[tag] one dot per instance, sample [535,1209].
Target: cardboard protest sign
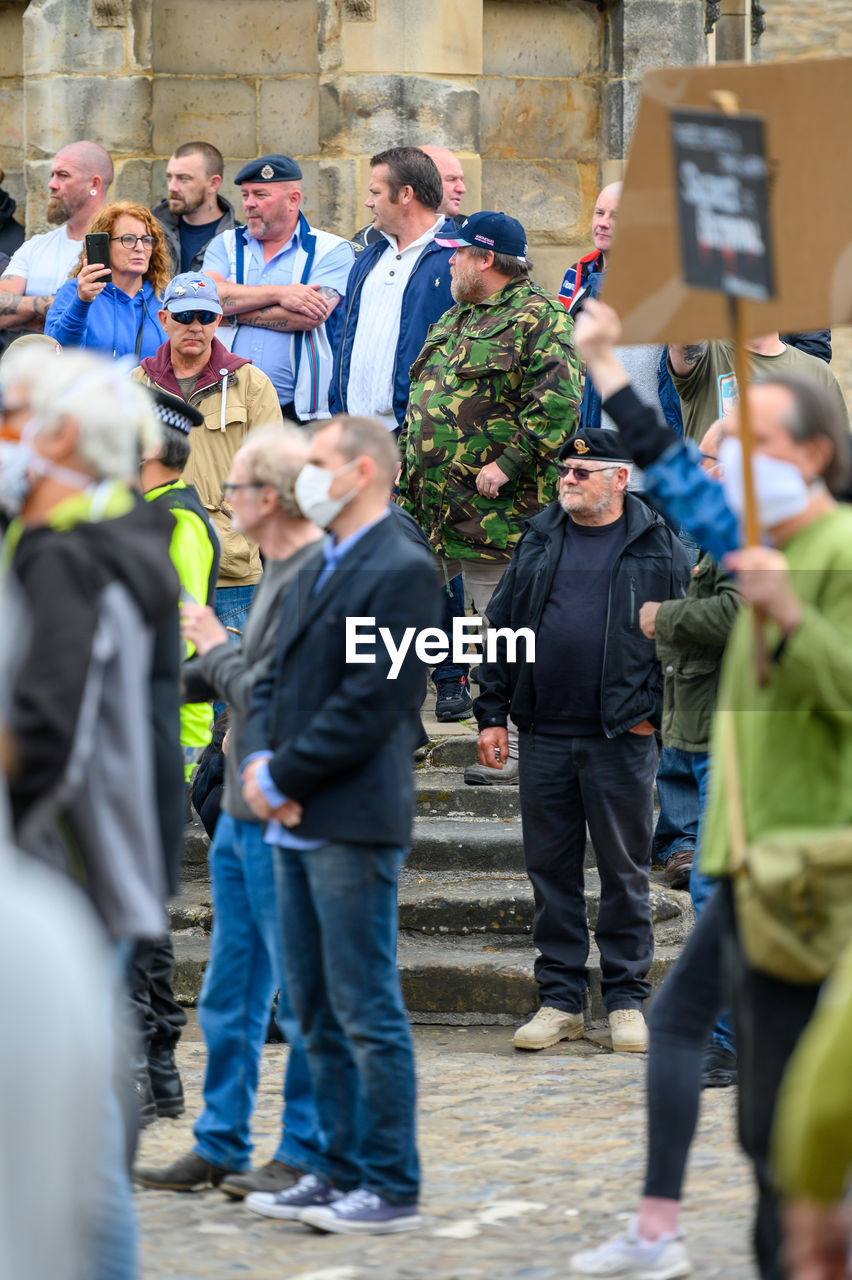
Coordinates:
[805,107]
[723,203]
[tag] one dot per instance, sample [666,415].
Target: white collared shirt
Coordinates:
[371,366]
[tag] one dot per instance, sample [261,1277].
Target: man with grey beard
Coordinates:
[80,176]
[585,705]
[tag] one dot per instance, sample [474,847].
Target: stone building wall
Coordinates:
[12,131]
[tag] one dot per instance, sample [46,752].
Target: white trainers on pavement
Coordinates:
[630,1258]
[629,1031]
[548,1027]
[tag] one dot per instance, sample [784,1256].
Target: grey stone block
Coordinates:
[114,110]
[364,114]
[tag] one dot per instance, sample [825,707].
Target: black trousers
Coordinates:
[769,1018]
[160,1018]
[681,1022]
[608,783]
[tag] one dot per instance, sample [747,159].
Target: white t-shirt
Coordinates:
[45,261]
[371,365]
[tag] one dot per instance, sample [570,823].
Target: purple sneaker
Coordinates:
[308,1192]
[362,1213]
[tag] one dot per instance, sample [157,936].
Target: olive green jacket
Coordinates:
[496,381]
[691,635]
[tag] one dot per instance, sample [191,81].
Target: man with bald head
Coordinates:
[80,177]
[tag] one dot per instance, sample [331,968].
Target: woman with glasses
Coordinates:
[114,309]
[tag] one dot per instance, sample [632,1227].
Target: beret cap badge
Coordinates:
[580,446]
[267,172]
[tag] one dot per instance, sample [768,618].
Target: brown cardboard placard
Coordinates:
[806,106]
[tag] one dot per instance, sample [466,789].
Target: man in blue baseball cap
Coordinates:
[281,280]
[495,392]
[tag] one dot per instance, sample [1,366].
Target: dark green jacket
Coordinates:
[496,381]
[691,635]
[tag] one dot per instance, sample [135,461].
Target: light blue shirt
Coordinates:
[268,349]
[276,832]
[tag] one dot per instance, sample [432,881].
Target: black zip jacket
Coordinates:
[652,565]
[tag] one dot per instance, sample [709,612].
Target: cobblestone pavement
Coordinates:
[526,1157]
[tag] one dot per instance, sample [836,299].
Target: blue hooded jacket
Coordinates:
[425,299]
[110,324]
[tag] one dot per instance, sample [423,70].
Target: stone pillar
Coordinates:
[732,32]
[394,73]
[642,34]
[87,68]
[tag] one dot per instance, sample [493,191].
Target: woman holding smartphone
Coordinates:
[116,313]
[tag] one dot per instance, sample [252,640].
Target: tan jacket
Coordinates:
[250,401]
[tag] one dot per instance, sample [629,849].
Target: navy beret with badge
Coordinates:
[269,169]
[595,444]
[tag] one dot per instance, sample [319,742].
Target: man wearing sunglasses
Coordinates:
[585,710]
[232,396]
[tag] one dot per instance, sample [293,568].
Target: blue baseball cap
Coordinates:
[487,230]
[273,168]
[192,291]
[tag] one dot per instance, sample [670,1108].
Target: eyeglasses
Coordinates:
[582,473]
[229,487]
[130,242]
[189,317]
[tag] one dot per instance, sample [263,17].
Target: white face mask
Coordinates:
[780,489]
[312,486]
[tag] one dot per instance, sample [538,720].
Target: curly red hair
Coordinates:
[159,271]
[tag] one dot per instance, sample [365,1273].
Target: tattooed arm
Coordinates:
[685,358]
[19,310]
[285,321]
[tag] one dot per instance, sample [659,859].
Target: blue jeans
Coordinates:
[677,789]
[232,607]
[702,887]
[452,599]
[246,965]
[339,911]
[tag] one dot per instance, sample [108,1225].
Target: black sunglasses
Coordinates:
[583,473]
[189,317]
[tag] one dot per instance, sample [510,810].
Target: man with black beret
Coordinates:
[586,707]
[281,280]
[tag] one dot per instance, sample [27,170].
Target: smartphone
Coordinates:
[97,251]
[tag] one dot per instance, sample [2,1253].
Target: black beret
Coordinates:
[174,412]
[269,169]
[595,444]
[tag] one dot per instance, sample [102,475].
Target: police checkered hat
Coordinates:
[174,412]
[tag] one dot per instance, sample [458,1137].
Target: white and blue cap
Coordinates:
[192,291]
[488,230]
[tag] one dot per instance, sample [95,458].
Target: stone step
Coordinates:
[464,903]
[466,981]
[443,792]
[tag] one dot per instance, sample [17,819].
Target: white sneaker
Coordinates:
[308,1192]
[548,1027]
[633,1259]
[629,1031]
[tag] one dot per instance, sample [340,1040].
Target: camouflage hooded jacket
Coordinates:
[496,381]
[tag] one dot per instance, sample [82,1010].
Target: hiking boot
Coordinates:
[678,867]
[453,701]
[719,1068]
[630,1258]
[146,1105]
[274,1176]
[629,1032]
[309,1192]
[548,1027]
[189,1173]
[482,775]
[165,1082]
[363,1213]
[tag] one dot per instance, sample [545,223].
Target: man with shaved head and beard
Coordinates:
[80,177]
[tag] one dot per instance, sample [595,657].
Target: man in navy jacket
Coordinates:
[327,763]
[397,288]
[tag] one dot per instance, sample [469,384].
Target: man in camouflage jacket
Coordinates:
[494,393]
